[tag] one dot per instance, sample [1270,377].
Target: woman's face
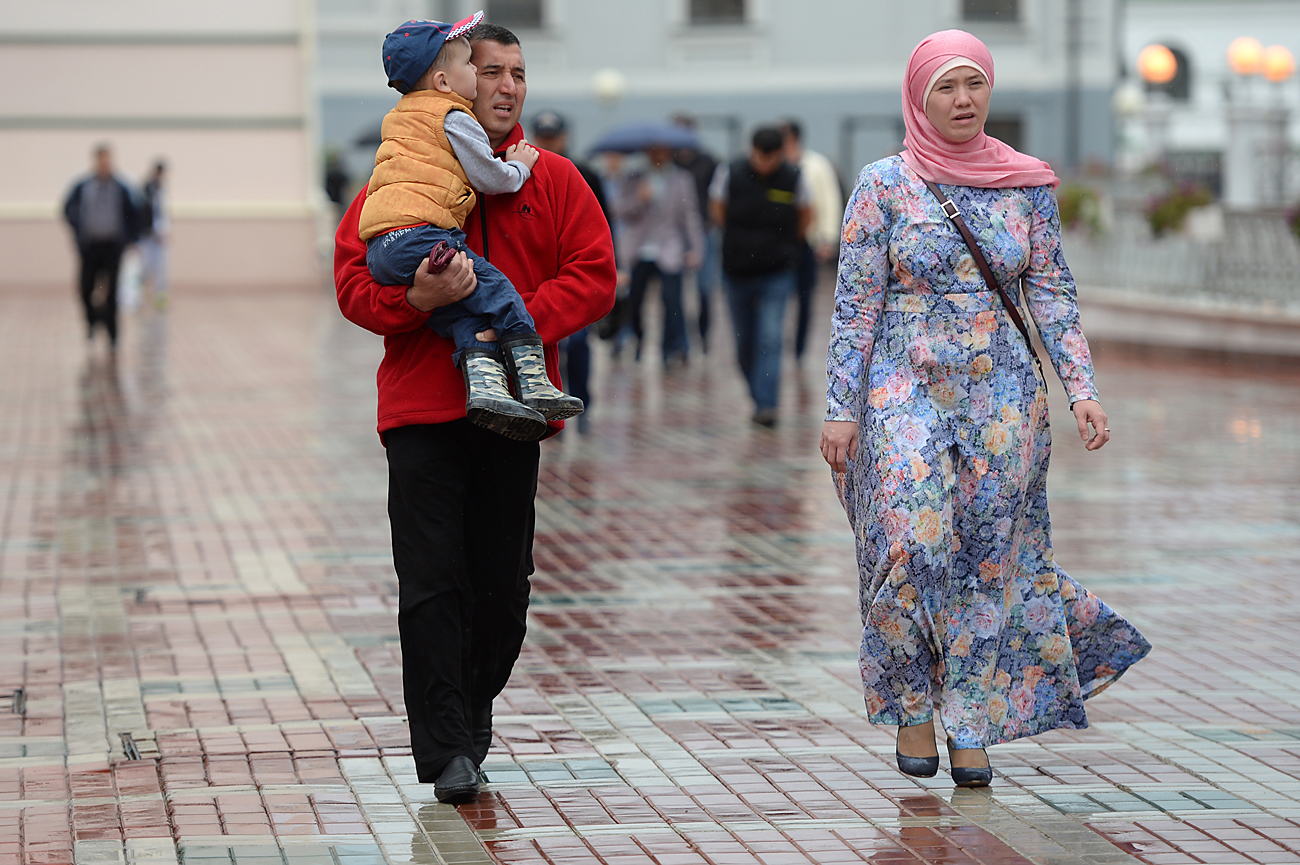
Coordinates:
[958,103]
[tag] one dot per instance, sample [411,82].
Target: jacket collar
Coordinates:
[418,100]
[516,135]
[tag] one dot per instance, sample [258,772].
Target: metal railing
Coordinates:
[1255,260]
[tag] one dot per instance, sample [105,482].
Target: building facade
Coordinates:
[835,65]
[223,92]
[1193,123]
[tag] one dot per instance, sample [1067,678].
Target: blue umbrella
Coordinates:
[632,137]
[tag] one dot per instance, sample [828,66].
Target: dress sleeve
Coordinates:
[859,293]
[1053,303]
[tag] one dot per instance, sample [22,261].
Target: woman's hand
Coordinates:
[1089,411]
[839,443]
[433,290]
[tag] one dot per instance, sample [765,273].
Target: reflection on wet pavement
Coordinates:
[194,562]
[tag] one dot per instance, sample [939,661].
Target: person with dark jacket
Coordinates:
[460,497]
[104,217]
[551,132]
[763,208]
[702,167]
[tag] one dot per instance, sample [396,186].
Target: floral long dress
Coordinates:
[963,606]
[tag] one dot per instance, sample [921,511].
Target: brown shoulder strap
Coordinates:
[950,210]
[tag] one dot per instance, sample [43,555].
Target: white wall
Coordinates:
[224,92]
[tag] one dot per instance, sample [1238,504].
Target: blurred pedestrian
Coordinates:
[660,236]
[336,182]
[462,498]
[104,217]
[763,206]
[821,243]
[937,432]
[701,167]
[156,226]
[551,133]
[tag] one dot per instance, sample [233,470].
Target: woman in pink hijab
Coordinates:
[937,434]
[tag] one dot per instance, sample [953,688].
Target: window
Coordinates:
[515,14]
[717,11]
[1180,86]
[1007,11]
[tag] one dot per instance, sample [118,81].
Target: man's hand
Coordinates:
[1088,411]
[694,260]
[433,290]
[522,152]
[839,443]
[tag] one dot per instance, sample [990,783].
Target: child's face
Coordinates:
[462,77]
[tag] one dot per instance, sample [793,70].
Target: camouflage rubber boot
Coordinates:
[528,371]
[489,403]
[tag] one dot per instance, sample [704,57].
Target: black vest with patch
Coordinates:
[761,235]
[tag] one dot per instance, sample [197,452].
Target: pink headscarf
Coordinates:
[982,161]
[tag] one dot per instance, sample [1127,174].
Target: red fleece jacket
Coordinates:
[551,241]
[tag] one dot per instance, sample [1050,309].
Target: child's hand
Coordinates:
[522,152]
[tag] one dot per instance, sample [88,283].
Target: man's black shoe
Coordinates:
[481,731]
[458,783]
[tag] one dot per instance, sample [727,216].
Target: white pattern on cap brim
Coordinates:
[467,25]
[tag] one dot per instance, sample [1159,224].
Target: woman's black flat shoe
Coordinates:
[969,776]
[965,776]
[917,767]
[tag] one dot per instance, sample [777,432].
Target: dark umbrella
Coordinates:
[632,137]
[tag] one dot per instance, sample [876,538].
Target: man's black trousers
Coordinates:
[461,505]
[101,259]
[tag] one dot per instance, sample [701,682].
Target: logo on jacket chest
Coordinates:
[524,211]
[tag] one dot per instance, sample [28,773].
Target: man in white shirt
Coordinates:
[822,242]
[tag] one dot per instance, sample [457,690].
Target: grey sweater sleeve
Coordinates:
[486,173]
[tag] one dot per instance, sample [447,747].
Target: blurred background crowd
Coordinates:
[1172,120]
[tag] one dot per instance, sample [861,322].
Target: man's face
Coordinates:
[765,163]
[103,163]
[793,149]
[501,87]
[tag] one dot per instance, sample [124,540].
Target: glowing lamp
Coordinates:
[1246,55]
[609,85]
[1157,64]
[1278,63]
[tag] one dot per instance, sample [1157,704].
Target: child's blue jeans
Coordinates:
[394,257]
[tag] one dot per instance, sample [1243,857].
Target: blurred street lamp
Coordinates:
[1254,164]
[1157,65]
[609,85]
[1278,64]
[1246,55]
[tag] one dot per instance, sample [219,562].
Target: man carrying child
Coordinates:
[461,497]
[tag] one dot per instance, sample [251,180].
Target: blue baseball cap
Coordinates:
[410,49]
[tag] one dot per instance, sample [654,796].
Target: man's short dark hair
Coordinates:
[493,33]
[793,129]
[768,139]
[102,148]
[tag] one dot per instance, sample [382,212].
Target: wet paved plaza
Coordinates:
[198,643]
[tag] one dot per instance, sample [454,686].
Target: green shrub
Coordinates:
[1168,212]
[1080,207]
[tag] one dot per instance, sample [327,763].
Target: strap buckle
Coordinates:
[947,204]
